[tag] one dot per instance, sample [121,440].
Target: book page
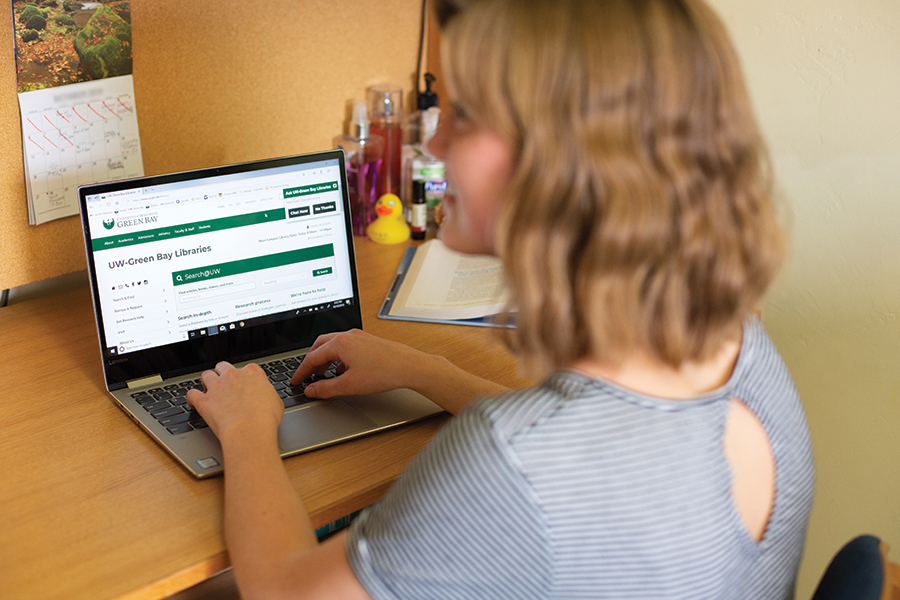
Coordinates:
[443,284]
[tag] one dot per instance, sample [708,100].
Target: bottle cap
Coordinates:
[359,127]
[418,191]
[385,102]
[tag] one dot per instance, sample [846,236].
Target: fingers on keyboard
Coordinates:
[169,407]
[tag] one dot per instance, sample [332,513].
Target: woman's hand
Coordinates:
[368,365]
[237,400]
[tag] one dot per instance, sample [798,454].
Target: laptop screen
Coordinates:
[221,264]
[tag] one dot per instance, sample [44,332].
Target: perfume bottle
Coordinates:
[364,153]
[386,112]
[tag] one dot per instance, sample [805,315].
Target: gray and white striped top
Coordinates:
[578,488]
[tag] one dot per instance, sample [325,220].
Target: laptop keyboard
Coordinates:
[168,404]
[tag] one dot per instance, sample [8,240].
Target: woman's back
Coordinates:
[579,488]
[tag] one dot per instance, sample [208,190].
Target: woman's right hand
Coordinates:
[368,365]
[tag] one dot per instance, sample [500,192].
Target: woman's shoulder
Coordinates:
[518,412]
[761,378]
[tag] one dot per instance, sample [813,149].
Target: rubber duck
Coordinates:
[389,227]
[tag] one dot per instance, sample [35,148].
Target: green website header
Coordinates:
[177,231]
[308,190]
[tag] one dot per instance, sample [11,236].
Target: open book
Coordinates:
[435,284]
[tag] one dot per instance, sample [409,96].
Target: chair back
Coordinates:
[860,571]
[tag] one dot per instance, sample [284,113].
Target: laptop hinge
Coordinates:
[136,383]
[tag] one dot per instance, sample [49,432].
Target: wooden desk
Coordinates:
[91,507]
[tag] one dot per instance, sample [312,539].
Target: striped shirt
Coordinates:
[578,488]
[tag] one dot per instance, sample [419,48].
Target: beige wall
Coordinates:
[825,78]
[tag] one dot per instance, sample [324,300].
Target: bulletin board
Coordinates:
[217,83]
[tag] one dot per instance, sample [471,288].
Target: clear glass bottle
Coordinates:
[364,153]
[386,113]
[428,169]
[412,141]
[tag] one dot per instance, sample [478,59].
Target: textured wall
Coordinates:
[825,78]
[216,83]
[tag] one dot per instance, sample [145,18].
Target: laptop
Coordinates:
[243,263]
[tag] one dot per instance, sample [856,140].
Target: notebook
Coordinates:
[243,263]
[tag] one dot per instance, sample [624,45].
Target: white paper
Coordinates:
[453,285]
[74,135]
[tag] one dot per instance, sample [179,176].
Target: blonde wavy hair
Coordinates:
[639,215]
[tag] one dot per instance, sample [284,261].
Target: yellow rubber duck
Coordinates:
[389,227]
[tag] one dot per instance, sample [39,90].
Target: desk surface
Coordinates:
[91,507]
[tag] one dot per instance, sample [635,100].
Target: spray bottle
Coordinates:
[364,153]
[386,110]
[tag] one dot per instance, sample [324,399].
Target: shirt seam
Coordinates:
[509,453]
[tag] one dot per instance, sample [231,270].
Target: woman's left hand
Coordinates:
[237,400]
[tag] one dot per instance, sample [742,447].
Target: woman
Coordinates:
[605,150]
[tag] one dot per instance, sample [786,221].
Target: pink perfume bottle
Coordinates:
[386,111]
[364,153]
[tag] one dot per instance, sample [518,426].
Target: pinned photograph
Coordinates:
[60,42]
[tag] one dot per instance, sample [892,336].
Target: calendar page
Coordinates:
[76,97]
[77,134]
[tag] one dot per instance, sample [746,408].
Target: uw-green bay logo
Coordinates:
[109,223]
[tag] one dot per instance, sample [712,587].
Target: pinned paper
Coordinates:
[76,99]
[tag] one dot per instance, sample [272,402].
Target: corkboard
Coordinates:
[217,83]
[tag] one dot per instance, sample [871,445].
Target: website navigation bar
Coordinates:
[177,231]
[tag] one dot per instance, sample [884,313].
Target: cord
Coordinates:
[421,49]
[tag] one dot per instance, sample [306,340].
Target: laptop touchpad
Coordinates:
[320,423]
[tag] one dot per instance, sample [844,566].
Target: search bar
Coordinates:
[285,279]
[248,265]
[195,295]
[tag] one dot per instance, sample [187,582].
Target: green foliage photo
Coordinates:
[104,45]
[60,42]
